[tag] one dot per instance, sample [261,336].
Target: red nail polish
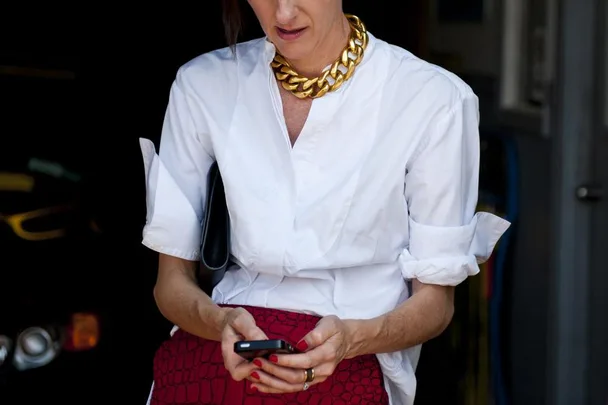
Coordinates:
[253,389]
[302,346]
[255,375]
[257,362]
[273,358]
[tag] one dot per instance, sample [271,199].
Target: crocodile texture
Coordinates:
[190,370]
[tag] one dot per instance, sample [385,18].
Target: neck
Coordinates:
[326,52]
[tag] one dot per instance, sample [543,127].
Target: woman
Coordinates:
[351,173]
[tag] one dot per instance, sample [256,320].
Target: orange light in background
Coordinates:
[16,182]
[82,333]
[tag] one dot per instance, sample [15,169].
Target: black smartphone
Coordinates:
[250,349]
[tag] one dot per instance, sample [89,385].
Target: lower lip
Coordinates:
[290,36]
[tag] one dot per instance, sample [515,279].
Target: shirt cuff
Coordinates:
[448,255]
[172,226]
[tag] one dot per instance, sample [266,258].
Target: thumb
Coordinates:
[324,329]
[255,333]
[245,325]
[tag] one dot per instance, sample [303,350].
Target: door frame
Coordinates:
[598,301]
[576,122]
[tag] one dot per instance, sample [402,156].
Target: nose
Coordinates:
[286,11]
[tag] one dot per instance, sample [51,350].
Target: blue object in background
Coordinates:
[511,211]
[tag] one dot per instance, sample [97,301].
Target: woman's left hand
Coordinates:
[322,349]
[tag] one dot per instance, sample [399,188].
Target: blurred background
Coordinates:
[78,323]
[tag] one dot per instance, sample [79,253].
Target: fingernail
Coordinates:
[257,362]
[253,389]
[273,358]
[255,375]
[302,346]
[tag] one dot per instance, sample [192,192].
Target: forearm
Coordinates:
[422,317]
[182,302]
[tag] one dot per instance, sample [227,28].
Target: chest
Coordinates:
[295,112]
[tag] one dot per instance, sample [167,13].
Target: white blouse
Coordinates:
[380,187]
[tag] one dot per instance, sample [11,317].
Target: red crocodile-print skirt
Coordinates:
[190,370]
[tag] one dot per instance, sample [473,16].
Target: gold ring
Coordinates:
[310,374]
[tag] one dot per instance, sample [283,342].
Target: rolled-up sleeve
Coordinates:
[176,178]
[447,238]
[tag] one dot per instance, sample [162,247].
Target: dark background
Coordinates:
[124,60]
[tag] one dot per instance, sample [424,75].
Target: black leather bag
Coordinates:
[215,243]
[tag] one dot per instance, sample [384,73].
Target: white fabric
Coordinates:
[381,186]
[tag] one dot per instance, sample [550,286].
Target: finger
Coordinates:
[238,367]
[324,329]
[321,371]
[256,382]
[270,384]
[243,370]
[290,375]
[311,358]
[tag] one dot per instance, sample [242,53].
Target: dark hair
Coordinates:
[232,21]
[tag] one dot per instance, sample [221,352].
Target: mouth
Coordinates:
[290,35]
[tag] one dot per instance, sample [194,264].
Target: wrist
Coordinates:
[360,335]
[215,318]
[221,317]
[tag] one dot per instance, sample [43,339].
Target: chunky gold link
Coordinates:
[316,87]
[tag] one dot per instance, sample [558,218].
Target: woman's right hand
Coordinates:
[238,324]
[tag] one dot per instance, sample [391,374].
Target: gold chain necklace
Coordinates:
[352,55]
